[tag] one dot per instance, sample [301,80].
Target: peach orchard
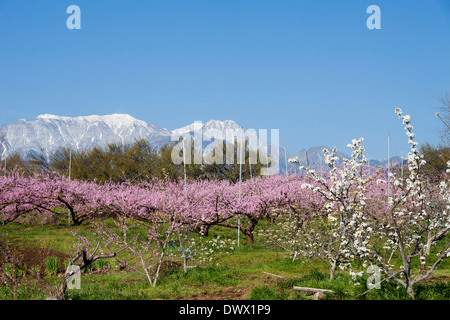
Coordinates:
[347,213]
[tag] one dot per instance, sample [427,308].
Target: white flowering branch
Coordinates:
[332,231]
[412,223]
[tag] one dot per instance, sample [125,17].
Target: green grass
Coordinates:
[344,289]
[52,265]
[268,293]
[244,274]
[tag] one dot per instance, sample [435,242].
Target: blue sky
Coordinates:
[311,69]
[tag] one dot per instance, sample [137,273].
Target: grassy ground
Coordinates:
[251,272]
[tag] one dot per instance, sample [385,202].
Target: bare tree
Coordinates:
[81,259]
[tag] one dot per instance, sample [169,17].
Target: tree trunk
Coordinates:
[249,237]
[59,292]
[410,291]
[73,215]
[429,240]
[332,271]
[248,231]
[204,229]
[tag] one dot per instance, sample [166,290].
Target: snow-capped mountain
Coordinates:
[209,129]
[215,131]
[49,132]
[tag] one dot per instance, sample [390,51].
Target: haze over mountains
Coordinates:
[47,133]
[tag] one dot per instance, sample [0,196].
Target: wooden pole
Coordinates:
[389,164]
[184,165]
[240,182]
[185,181]
[286,161]
[307,161]
[3,221]
[70,172]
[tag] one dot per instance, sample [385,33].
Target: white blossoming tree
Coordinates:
[398,223]
[415,219]
[327,229]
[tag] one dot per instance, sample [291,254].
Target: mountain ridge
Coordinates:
[48,133]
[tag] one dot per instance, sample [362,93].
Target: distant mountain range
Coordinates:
[47,133]
[314,157]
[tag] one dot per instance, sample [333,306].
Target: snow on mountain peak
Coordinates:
[225,124]
[210,125]
[50,132]
[116,120]
[47,116]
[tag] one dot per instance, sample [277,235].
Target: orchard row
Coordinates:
[347,213]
